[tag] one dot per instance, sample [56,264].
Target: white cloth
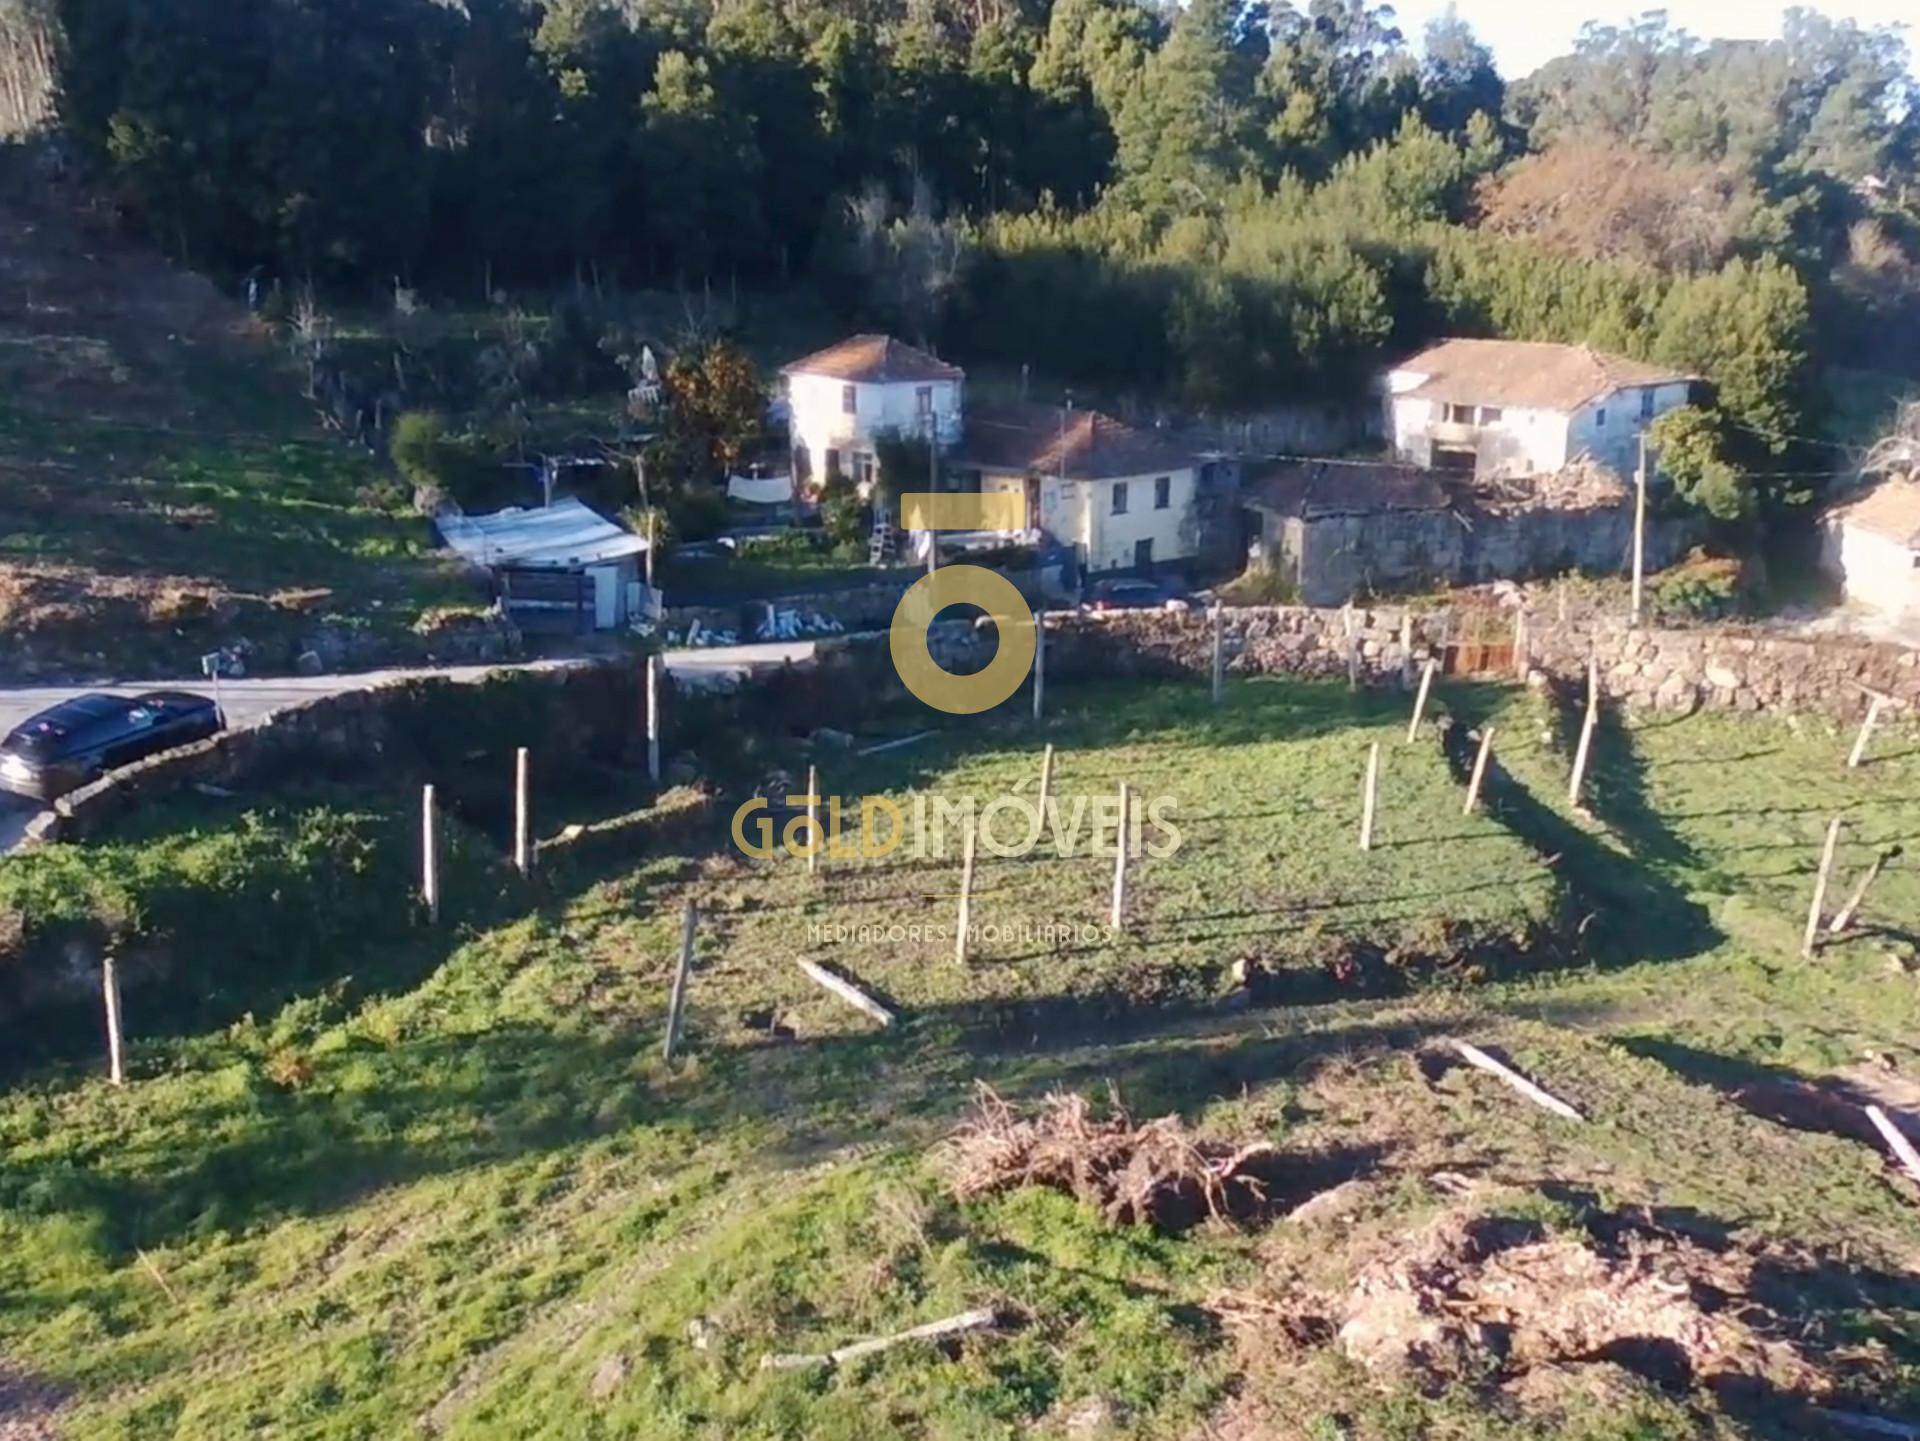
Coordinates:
[760,490]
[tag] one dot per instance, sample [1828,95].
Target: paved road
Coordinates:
[249,701]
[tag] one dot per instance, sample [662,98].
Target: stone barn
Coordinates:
[1343,529]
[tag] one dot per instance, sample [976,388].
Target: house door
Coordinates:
[1143,554]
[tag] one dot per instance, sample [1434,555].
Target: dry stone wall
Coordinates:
[1680,670]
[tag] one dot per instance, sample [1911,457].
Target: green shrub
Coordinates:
[1702,587]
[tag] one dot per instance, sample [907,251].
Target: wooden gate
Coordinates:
[1481,642]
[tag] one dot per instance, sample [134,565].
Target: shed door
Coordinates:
[606,596]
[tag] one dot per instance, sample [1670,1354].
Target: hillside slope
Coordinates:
[163,487]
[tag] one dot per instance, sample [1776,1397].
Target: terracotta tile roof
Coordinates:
[1527,374]
[1890,509]
[1311,488]
[1073,444]
[874,359]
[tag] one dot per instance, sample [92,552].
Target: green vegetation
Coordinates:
[1227,201]
[452,1184]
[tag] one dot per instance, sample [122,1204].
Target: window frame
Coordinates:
[1117,505]
[849,400]
[1163,492]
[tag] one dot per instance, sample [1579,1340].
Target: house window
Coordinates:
[1646,403]
[847,405]
[1459,415]
[1119,497]
[1489,414]
[923,401]
[1600,418]
[1163,492]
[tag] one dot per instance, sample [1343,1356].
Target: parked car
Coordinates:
[72,743]
[1134,594]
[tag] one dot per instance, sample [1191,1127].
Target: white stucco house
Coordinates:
[1872,544]
[1521,408]
[841,399]
[1122,498]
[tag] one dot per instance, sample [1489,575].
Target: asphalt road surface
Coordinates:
[249,701]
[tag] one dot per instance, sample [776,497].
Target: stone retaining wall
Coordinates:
[1680,670]
[573,715]
[588,714]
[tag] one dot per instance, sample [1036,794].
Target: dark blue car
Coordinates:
[78,740]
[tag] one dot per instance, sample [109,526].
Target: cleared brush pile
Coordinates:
[1154,1172]
[1471,1296]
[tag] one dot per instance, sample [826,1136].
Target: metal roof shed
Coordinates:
[564,539]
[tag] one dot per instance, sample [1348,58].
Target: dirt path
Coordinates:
[29,1406]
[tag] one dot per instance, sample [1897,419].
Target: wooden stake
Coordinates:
[1406,648]
[1420,701]
[522,822]
[1478,1058]
[1639,529]
[1479,770]
[813,820]
[1046,782]
[1846,913]
[1368,795]
[1039,666]
[966,896]
[429,854]
[1118,919]
[1866,733]
[1820,888]
[847,992]
[1219,654]
[677,1004]
[1586,733]
[1353,647]
[653,719]
[932,1331]
[1896,1141]
[116,1042]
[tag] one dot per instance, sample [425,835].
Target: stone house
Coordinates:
[1518,408]
[1119,497]
[842,399]
[1871,543]
[1341,529]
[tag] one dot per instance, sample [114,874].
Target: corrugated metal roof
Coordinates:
[1526,374]
[566,534]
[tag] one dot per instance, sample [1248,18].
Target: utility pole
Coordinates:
[1639,528]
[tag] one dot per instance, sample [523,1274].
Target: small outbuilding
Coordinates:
[1872,545]
[561,568]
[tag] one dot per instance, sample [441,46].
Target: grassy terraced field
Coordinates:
[374,1178]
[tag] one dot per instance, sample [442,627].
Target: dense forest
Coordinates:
[1228,200]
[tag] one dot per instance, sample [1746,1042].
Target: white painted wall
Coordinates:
[1616,441]
[1080,513]
[1874,570]
[1534,442]
[819,421]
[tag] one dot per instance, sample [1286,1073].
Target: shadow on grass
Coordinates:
[1619,907]
[257,1150]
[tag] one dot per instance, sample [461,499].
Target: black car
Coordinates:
[1134,594]
[76,741]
